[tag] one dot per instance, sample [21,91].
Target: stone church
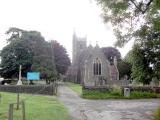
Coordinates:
[90,66]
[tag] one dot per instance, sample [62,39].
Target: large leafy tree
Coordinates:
[61,58]
[13,55]
[141,69]
[137,20]
[129,16]
[29,49]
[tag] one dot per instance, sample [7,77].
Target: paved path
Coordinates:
[82,109]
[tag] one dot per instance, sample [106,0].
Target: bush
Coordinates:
[136,95]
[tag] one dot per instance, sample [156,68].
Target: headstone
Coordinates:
[126,92]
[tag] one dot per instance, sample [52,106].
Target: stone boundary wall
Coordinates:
[132,88]
[143,89]
[31,89]
[97,88]
[119,82]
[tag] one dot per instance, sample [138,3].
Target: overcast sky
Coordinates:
[56,20]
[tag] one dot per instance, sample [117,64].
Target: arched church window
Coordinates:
[97,67]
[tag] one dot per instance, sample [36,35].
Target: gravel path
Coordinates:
[82,109]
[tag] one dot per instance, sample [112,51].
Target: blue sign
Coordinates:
[33,75]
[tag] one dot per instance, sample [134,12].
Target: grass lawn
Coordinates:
[157,115]
[76,88]
[37,107]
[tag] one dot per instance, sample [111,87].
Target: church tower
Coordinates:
[79,44]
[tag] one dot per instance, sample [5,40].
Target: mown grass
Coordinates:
[157,115]
[37,107]
[76,88]
[100,95]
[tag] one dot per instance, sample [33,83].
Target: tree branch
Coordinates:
[139,8]
[136,5]
[147,6]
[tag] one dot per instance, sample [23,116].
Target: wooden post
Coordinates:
[10,114]
[18,101]
[23,111]
[0,97]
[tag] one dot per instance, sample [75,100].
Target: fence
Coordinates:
[11,110]
[31,89]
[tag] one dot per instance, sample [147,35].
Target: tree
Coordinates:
[29,49]
[129,16]
[12,56]
[124,69]
[140,66]
[110,53]
[61,58]
[137,20]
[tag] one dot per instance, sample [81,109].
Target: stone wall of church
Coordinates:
[96,80]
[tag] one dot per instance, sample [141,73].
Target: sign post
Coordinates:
[33,76]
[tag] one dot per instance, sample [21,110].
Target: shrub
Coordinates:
[137,95]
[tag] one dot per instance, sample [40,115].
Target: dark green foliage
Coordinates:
[14,54]
[29,49]
[140,66]
[61,58]
[124,69]
[145,62]
[110,53]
